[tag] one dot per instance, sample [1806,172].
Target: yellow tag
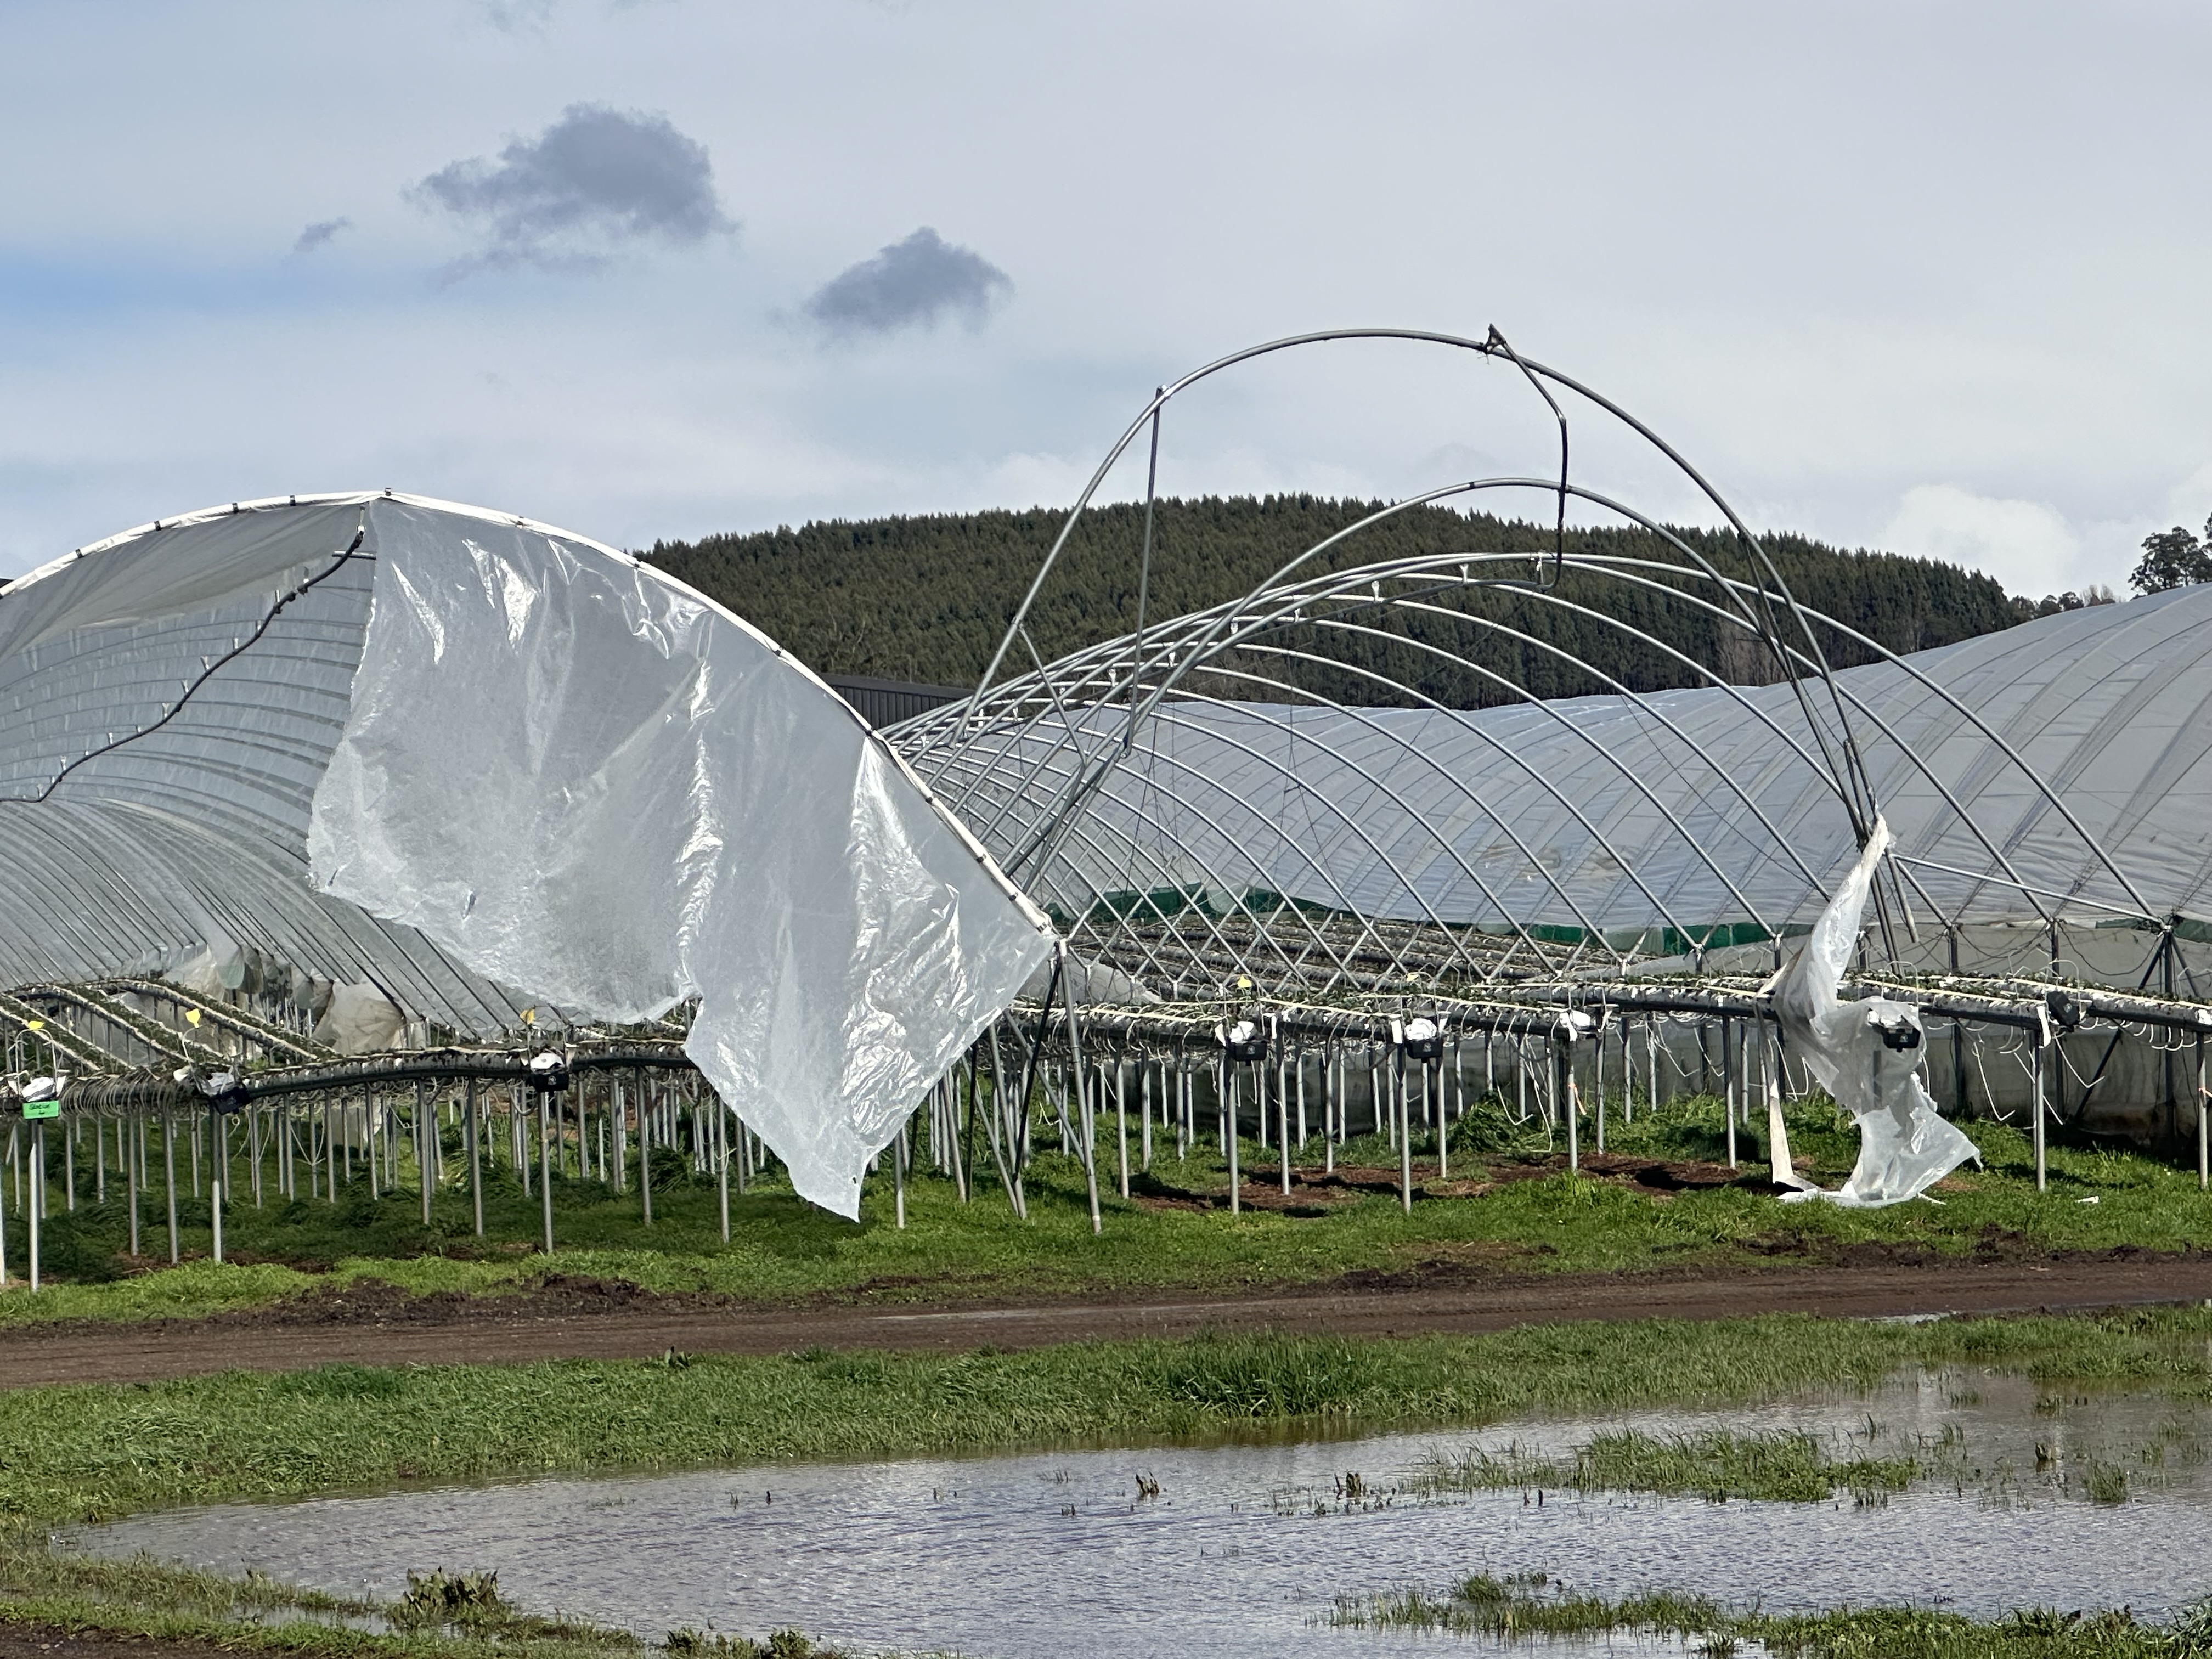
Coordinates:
[34,1025]
[191,1016]
[530,1017]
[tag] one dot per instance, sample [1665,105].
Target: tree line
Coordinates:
[927,597]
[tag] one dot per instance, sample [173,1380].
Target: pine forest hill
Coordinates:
[927,599]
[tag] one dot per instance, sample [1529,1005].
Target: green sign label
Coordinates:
[42,1108]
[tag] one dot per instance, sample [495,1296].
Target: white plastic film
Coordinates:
[1905,1146]
[589,786]
[579,777]
[359,1020]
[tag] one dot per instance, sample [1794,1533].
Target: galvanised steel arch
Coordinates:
[1262,797]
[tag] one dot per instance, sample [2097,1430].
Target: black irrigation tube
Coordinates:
[156,1091]
[1532,1015]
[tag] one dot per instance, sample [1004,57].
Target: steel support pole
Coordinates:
[1571,1107]
[1444,1121]
[169,1174]
[1402,1118]
[1144,1112]
[645,1157]
[2040,1180]
[1122,1118]
[469,1106]
[545,1166]
[426,1136]
[1728,1084]
[1330,1113]
[37,1203]
[899,1174]
[1229,1104]
[218,1173]
[1090,1122]
[722,1164]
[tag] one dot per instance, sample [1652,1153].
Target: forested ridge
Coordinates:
[927,597]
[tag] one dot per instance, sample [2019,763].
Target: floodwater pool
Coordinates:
[1247,1546]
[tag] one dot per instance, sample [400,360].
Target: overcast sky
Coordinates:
[1928,276]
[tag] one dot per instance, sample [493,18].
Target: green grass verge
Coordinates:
[89,1451]
[784,1251]
[1531,1605]
[461,1617]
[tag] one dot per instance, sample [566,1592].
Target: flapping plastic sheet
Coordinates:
[449,755]
[1866,1055]
[580,777]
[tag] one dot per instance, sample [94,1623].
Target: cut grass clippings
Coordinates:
[784,1252]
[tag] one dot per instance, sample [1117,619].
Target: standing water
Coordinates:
[2026,1500]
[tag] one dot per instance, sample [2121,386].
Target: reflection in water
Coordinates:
[1245,1547]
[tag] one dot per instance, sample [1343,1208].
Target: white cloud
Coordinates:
[1854,341]
[2189,503]
[2028,546]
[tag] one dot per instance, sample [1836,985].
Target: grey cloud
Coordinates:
[910,284]
[319,233]
[511,14]
[596,177]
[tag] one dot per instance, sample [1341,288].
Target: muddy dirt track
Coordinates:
[566,1318]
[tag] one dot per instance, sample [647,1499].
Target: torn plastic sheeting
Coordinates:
[360,1020]
[1867,1054]
[1087,984]
[579,777]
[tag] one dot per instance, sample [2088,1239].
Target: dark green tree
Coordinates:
[2172,558]
[927,599]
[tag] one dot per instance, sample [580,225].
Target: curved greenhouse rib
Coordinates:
[1093,777]
[1187,803]
[1212,628]
[1375,782]
[1683,813]
[1858,794]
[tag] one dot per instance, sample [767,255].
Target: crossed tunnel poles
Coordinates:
[1151,1063]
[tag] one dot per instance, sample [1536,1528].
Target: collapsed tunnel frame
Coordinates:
[1039,763]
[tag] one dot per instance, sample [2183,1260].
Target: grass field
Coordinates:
[784,1251]
[79,1453]
[82,1452]
[90,1451]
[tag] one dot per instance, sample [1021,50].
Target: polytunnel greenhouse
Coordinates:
[327,819]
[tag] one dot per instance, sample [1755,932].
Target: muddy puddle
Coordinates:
[2020,1498]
